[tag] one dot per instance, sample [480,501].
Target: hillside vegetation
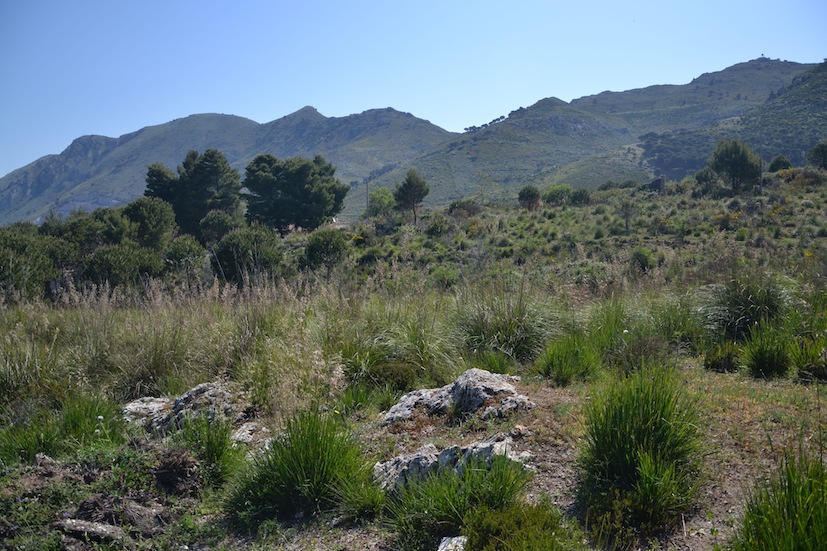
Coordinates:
[674,343]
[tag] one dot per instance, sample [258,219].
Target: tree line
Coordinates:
[196,222]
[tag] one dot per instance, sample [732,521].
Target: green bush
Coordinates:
[325,248]
[298,474]
[809,357]
[522,526]
[641,456]
[767,352]
[568,358]
[248,253]
[427,510]
[788,513]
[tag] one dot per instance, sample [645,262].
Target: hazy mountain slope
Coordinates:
[582,142]
[96,171]
[788,124]
[537,144]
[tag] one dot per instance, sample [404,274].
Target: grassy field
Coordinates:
[675,347]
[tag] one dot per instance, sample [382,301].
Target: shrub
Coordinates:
[766,354]
[809,356]
[522,526]
[788,513]
[247,252]
[299,473]
[641,457]
[426,510]
[569,358]
[326,248]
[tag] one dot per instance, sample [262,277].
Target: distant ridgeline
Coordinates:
[776,107]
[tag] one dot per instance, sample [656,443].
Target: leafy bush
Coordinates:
[809,356]
[788,513]
[299,473]
[766,354]
[326,248]
[248,252]
[427,510]
[569,358]
[642,450]
[522,526]
[122,265]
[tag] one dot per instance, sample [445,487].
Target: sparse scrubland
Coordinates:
[675,346]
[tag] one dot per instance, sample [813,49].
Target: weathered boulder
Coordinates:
[150,413]
[456,543]
[395,473]
[97,532]
[472,391]
[213,400]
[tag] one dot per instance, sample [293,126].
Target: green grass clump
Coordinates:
[82,421]
[767,352]
[209,439]
[502,321]
[790,512]
[738,305]
[723,358]
[435,507]
[641,457]
[522,526]
[299,473]
[569,358]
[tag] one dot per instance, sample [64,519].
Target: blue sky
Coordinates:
[110,67]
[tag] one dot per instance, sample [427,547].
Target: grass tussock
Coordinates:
[641,457]
[298,474]
[790,511]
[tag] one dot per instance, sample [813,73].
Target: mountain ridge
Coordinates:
[532,144]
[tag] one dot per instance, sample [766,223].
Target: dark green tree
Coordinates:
[297,192]
[779,163]
[735,162]
[529,197]
[29,260]
[248,253]
[154,221]
[817,156]
[411,192]
[325,248]
[380,203]
[203,183]
[216,224]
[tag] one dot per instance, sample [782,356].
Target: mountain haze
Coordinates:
[777,105]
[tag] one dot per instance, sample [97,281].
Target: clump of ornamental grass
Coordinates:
[504,321]
[82,421]
[569,358]
[209,439]
[426,510]
[766,354]
[790,511]
[534,527]
[641,457]
[300,473]
[736,307]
